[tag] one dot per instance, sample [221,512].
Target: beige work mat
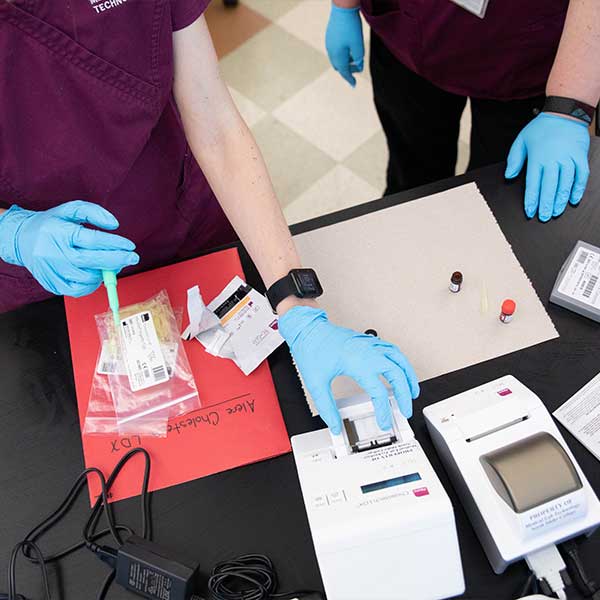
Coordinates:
[390,271]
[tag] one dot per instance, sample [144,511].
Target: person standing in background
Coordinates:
[530,70]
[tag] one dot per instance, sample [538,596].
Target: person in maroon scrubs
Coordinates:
[513,59]
[120,145]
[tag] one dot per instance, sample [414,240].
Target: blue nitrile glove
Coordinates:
[65,257]
[556,149]
[344,42]
[323,351]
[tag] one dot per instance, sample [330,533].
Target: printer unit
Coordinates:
[380,519]
[513,471]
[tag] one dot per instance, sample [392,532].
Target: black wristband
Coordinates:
[568,106]
[302,283]
[284,288]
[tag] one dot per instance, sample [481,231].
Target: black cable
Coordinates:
[64,508]
[32,552]
[90,526]
[78,546]
[106,585]
[527,588]
[12,579]
[586,586]
[248,577]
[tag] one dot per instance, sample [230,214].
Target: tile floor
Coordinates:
[321,139]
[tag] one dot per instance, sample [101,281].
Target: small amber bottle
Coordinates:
[456,282]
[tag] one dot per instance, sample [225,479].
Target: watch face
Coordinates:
[307,283]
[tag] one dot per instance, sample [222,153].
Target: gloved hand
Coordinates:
[344,42]
[323,351]
[556,149]
[65,257]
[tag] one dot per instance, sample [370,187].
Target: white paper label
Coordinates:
[538,520]
[111,364]
[248,319]
[144,360]
[581,416]
[581,279]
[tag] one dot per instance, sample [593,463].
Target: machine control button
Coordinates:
[321,456]
[320,501]
[337,497]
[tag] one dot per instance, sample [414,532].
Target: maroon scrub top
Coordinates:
[87,112]
[506,55]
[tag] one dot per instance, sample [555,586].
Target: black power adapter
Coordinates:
[147,570]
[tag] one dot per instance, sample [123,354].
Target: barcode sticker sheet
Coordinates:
[143,356]
[390,270]
[580,280]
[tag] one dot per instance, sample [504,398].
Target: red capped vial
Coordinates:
[508,310]
[456,282]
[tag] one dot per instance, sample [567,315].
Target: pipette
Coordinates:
[110,283]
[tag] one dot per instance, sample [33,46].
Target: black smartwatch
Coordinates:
[569,106]
[302,283]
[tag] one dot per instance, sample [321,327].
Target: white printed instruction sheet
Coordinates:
[238,324]
[581,416]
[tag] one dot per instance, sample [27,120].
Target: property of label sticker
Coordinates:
[581,279]
[145,362]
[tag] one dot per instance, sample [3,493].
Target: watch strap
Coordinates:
[280,290]
[569,106]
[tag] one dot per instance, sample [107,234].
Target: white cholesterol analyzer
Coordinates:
[512,469]
[380,519]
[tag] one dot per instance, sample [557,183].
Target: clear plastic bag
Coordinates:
[101,418]
[142,369]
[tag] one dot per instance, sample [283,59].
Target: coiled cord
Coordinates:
[249,577]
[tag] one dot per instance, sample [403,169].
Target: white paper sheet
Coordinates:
[390,271]
[581,416]
[244,330]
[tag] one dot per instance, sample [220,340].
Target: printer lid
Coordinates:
[531,471]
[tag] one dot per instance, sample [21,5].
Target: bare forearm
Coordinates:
[230,158]
[237,174]
[236,171]
[576,72]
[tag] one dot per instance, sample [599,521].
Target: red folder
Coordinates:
[240,421]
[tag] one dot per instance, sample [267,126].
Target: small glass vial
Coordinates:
[507,311]
[456,282]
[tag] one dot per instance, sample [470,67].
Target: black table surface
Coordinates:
[259,508]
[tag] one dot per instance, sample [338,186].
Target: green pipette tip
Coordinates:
[110,283]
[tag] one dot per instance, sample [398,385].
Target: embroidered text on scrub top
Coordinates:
[102,5]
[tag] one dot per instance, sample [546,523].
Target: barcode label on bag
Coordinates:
[581,278]
[143,356]
[110,362]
